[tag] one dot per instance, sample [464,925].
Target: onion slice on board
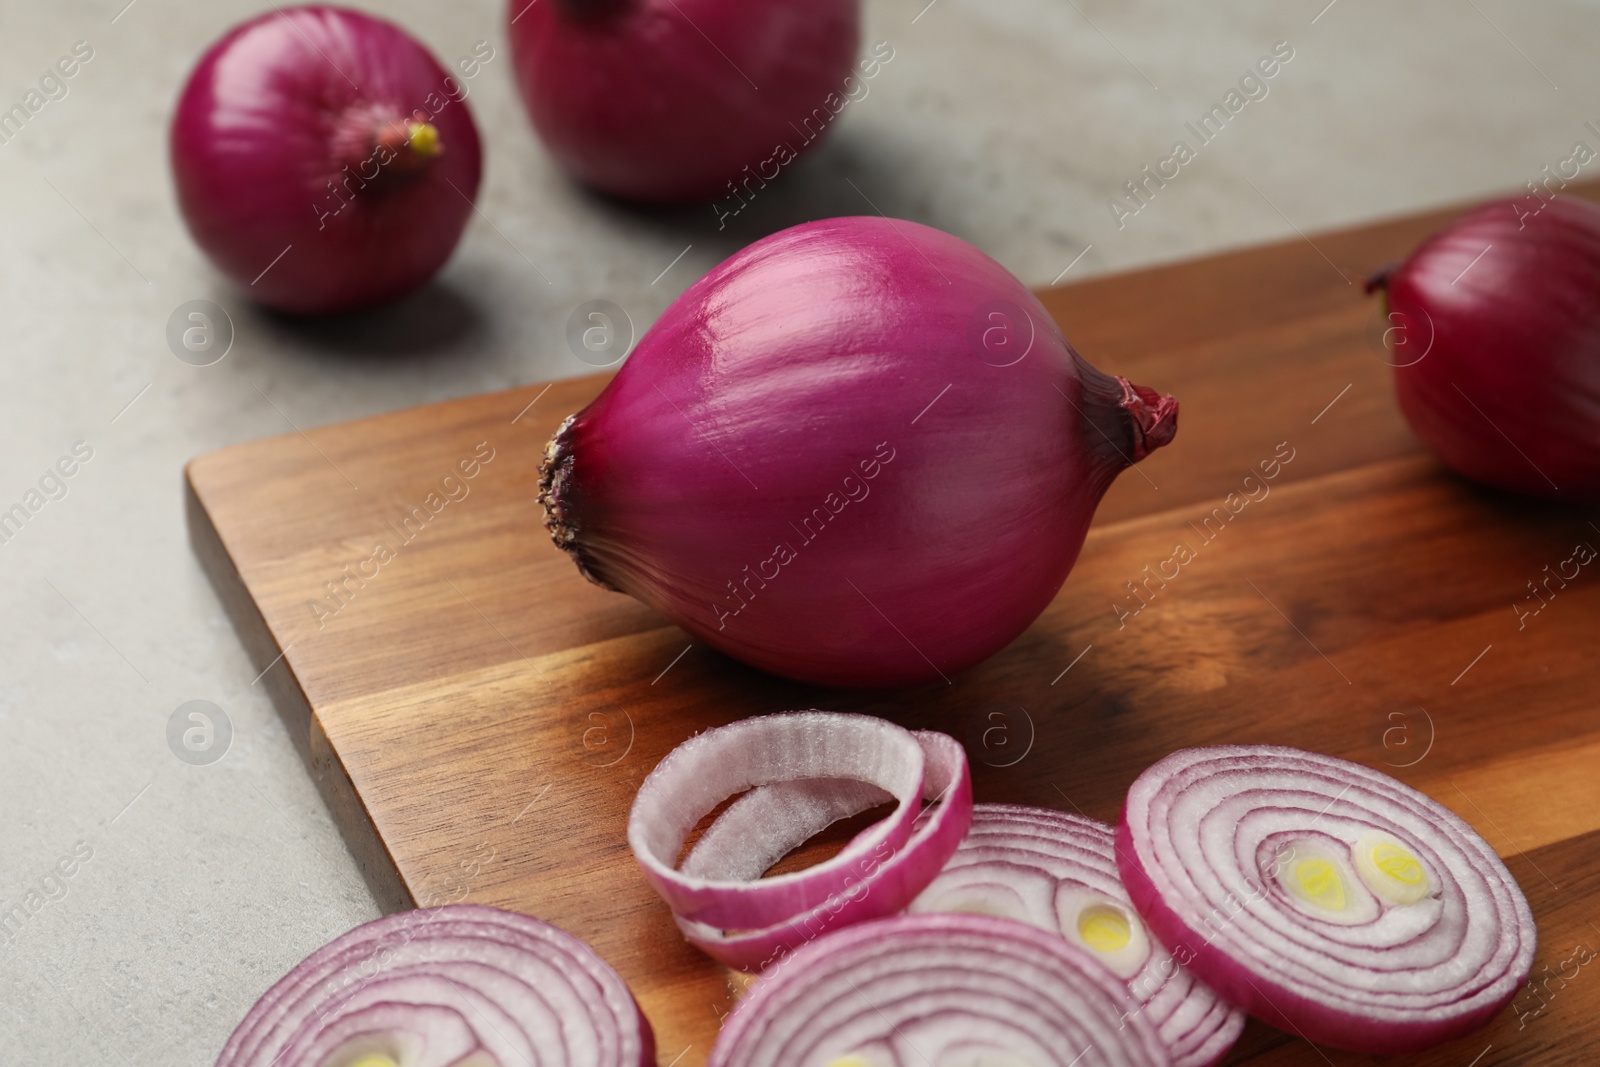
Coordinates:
[1059,872]
[800,772]
[775,819]
[457,986]
[1324,897]
[946,990]
[708,768]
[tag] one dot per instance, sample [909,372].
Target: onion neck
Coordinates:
[1123,422]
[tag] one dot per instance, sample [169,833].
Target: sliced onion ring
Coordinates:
[782,816]
[457,986]
[945,990]
[766,824]
[1243,860]
[1059,872]
[707,769]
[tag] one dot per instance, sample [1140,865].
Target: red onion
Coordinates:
[324,160]
[674,100]
[1324,897]
[857,453]
[946,990]
[1494,323]
[446,987]
[1059,872]
[719,887]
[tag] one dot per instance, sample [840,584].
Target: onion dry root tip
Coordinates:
[554,470]
[1379,279]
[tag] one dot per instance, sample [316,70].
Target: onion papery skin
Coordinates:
[912,990]
[1512,346]
[276,145]
[1398,983]
[677,100]
[460,984]
[809,464]
[1015,849]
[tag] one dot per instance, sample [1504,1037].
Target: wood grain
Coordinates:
[479,716]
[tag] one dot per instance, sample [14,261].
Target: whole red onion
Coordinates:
[677,100]
[1495,325]
[858,452]
[324,160]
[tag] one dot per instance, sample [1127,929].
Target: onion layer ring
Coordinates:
[1058,872]
[456,985]
[882,882]
[938,989]
[707,769]
[1323,896]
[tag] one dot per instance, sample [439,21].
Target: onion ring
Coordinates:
[446,987]
[803,771]
[706,769]
[888,880]
[1058,872]
[1323,896]
[946,990]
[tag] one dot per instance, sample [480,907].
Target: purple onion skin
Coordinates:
[772,388]
[632,96]
[264,130]
[1515,346]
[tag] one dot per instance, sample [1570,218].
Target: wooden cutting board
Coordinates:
[480,717]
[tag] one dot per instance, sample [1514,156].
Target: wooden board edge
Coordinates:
[377,865]
[585,385]
[1355,230]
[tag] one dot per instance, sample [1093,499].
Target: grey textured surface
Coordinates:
[1008,122]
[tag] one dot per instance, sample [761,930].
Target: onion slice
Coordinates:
[946,990]
[888,880]
[802,771]
[1324,897]
[458,986]
[1058,872]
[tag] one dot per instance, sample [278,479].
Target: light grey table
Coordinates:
[1009,122]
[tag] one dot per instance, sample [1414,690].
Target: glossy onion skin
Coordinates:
[669,100]
[832,360]
[266,123]
[1519,335]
